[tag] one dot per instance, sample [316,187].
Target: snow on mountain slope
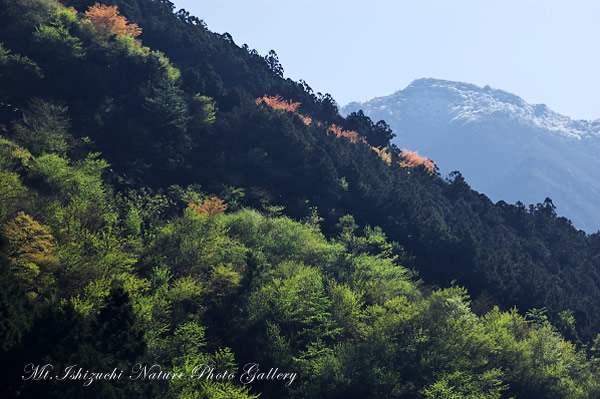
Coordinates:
[506,148]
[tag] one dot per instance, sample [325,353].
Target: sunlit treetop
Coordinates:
[413,159]
[211,207]
[108,21]
[349,134]
[279,104]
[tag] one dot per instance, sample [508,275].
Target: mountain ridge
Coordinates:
[191,207]
[540,114]
[491,136]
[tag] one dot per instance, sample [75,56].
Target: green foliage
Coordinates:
[130,47]
[173,73]
[297,301]
[58,36]
[281,239]
[460,385]
[203,109]
[44,128]
[13,157]
[198,245]
[15,308]
[377,135]
[15,63]
[31,248]
[537,317]
[380,279]
[143,213]
[165,100]
[346,309]
[127,273]
[78,188]
[11,190]
[17,74]
[14,160]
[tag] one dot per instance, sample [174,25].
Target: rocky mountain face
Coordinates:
[504,147]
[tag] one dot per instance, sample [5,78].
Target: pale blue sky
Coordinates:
[542,50]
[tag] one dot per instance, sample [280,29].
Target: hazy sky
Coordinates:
[545,51]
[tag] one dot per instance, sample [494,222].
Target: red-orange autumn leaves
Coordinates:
[410,159]
[106,20]
[278,103]
[413,159]
[211,207]
[349,134]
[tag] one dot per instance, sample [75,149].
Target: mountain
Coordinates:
[175,212]
[504,147]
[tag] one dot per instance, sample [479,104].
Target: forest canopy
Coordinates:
[168,197]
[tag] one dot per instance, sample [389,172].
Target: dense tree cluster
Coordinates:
[153,211]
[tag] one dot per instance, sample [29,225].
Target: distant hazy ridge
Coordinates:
[506,148]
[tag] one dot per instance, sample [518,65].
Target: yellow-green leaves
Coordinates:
[32,249]
[59,36]
[203,109]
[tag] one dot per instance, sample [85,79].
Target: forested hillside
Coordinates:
[168,198]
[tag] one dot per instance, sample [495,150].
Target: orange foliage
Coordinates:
[278,103]
[306,119]
[211,207]
[349,134]
[106,20]
[413,159]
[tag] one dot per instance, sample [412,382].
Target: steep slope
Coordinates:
[209,125]
[115,267]
[506,148]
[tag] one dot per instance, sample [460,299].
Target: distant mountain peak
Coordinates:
[440,83]
[467,103]
[506,147]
